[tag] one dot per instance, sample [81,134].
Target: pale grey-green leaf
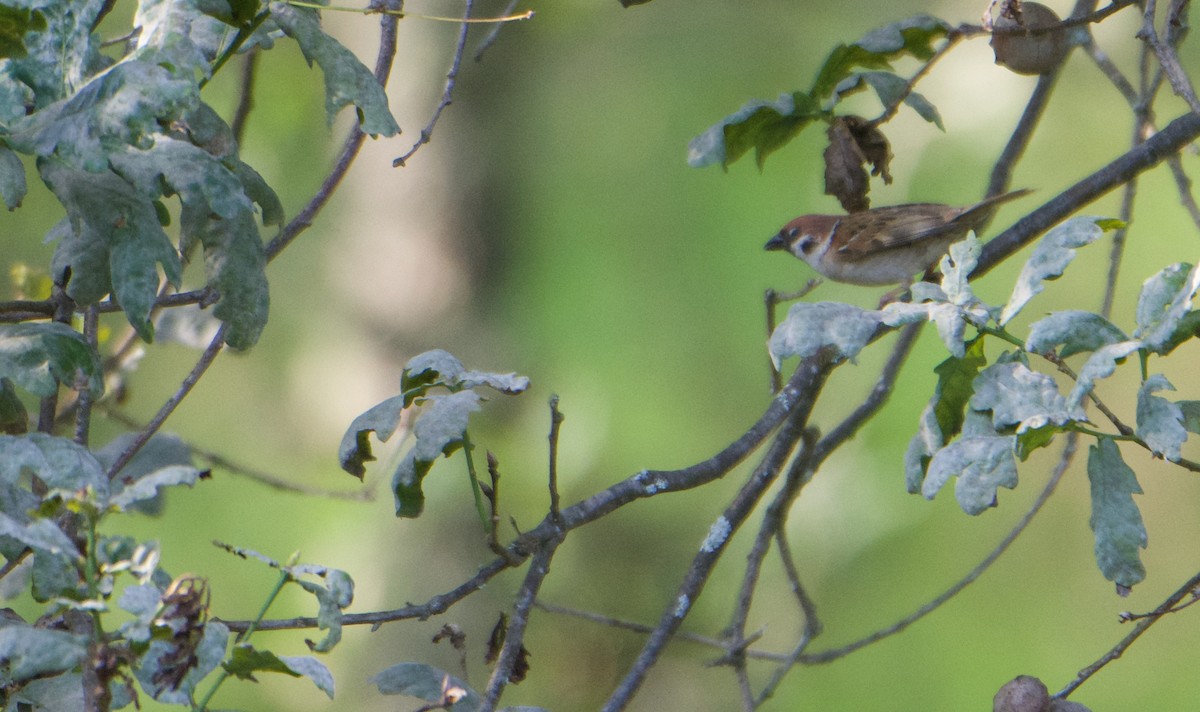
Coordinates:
[982,463]
[12,178]
[313,669]
[40,357]
[381,419]
[810,327]
[925,442]
[1051,256]
[39,535]
[424,682]
[347,81]
[29,652]
[1099,365]
[1073,331]
[1159,421]
[1115,520]
[1166,298]
[1018,396]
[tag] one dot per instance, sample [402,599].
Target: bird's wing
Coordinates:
[895,227]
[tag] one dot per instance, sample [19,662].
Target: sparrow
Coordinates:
[883,245]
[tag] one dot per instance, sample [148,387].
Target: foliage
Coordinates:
[149,176]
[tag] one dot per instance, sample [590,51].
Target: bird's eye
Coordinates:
[791,232]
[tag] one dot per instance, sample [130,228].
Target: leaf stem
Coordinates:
[284,578]
[468,446]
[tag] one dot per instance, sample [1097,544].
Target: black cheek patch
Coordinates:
[807,245]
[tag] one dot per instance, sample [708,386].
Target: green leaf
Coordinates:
[1035,438]
[981,462]
[1051,256]
[334,594]
[1099,365]
[14,419]
[438,431]
[1159,421]
[40,356]
[441,368]
[219,214]
[12,178]
[114,243]
[347,81]
[760,125]
[890,89]
[1190,409]
[1075,331]
[39,535]
[1018,396]
[425,682]
[60,463]
[955,386]
[1116,521]
[247,660]
[809,327]
[122,106]
[165,460]
[61,51]
[30,652]
[14,23]
[381,419]
[1164,308]
[924,444]
[913,36]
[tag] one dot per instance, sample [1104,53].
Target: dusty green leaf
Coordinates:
[30,652]
[1190,409]
[12,178]
[764,126]
[875,50]
[809,327]
[1022,398]
[1050,257]
[1159,421]
[347,81]
[355,449]
[1164,308]
[425,682]
[114,244]
[1072,332]
[1115,520]
[981,462]
[40,357]
[1101,364]
[438,431]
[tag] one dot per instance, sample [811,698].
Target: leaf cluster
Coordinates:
[983,418]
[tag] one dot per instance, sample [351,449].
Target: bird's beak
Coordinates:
[776,243]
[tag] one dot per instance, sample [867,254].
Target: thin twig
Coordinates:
[514,636]
[1167,57]
[83,416]
[189,382]
[1117,650]
[448,91]
[828,656]
[556,419]
[714,545]
[352,144]
[245,95]
[494,34]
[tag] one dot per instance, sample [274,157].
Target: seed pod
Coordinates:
[1026,53]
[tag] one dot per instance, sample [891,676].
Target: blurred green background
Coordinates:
[552,227]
